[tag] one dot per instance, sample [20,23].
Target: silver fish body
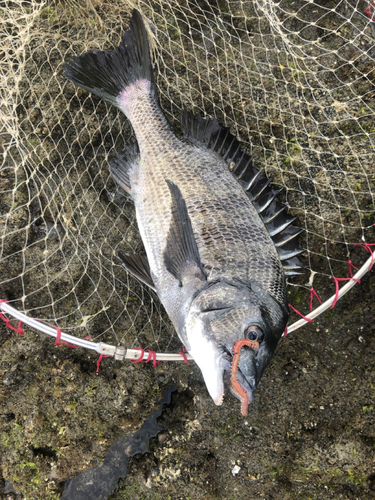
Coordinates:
[211,258]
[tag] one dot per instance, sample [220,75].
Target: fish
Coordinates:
[219,243]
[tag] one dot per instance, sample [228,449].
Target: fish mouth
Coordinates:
[218,365]
[217,370]
[240,388]
[238,384]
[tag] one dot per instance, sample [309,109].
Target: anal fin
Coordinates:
[138,266]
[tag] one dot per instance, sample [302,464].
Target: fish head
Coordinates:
[221,315]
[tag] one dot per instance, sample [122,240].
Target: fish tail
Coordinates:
[109,74]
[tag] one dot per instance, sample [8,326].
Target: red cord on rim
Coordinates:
[99,361]
[351,267]
[7,321]
[62,342]
[338,288]
[367,246]
[140,359]
[183,354]
[300,314]
[368,12]
[152,357]
[312,293]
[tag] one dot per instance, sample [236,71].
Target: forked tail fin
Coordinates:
[107,74]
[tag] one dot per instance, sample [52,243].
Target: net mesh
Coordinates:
[294,81]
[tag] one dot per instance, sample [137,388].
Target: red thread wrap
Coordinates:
[351,267]
[312,293]
[368,12]
[300,314]
[7,321]
[338,288]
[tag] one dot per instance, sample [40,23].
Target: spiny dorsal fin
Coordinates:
[205,132]
[292,266]
[181,255]
[138,266]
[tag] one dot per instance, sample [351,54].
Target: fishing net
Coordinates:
[294,81]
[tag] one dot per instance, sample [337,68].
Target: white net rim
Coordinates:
[138,354]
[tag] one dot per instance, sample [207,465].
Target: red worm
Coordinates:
[234,368]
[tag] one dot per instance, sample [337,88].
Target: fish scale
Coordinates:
[204,181]
[214,240]
[237,236]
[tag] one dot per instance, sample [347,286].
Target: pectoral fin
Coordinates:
[181,255]
[138,266]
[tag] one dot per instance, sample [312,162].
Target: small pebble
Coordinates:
[236,470]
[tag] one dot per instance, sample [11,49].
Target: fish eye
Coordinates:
[254,333]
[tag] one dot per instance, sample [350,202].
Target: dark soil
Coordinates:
[309,433]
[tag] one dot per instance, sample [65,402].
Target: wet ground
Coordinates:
[309,433]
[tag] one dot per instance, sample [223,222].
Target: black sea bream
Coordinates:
[217,240]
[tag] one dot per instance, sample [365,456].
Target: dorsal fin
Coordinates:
[207,133]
